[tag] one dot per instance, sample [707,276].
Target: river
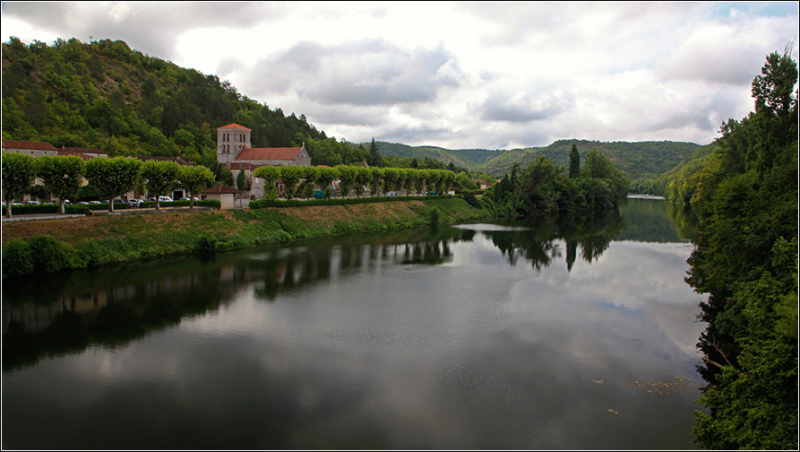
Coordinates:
[473,336]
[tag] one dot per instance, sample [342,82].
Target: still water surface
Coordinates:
[476,336]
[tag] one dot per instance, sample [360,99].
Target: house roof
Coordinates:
[221,189]
[84,150]
[233,126]
[261,154]
[67,152]
[179,160]
[19,144]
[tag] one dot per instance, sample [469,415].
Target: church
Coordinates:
[234,152]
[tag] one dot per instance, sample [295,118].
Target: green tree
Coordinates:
[112,177]
[347,178]
[62,176]
[374,154]
[270,174]
[325,177]
[290,175]
[574,162]
[195,179]
[19,171]
[160,177]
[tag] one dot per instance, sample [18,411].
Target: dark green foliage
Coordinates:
[744,195]
[105,95]
[40,254]
[206,244]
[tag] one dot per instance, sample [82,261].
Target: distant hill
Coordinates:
[635,160]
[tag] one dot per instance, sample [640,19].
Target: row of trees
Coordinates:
[744,196]
[355,179]
[544,188]
[63,177]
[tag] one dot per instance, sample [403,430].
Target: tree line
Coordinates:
[304,180]
[64,176]
[544,188]
[744,196]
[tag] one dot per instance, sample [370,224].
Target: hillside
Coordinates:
[105,95]
[635,160]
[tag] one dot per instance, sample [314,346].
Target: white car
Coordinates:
[164,199]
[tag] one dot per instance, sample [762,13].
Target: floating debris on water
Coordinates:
[613,411]
[664,387]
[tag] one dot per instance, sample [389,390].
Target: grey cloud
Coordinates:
[152,28]
[505,107]
[417,134]
[362,73]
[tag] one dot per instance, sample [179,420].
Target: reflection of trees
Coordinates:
[537,243]
[115,305]
[650,220]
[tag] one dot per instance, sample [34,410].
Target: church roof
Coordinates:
[261,154]
[233,126]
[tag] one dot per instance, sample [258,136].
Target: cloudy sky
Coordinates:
[457,75]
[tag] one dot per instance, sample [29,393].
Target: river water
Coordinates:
[476,336]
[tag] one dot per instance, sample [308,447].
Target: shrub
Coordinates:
[206,244]
[17,258]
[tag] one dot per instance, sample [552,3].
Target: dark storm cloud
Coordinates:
[152,28]
[362,73]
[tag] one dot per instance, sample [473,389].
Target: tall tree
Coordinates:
[62,176]
[290,175]
[270,174]
[374,155]
[112,177]
[19,171]
[160,178]
[195,179]
[574,163]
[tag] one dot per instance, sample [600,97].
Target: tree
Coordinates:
[347,178]
[574,163]
[363,178]
[160,177]
[112,177]
[270,174]
[62,176]
[325,177]
[290,175]
[19,171]
[374,155]
[195,179]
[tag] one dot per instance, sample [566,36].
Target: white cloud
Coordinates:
[458,75]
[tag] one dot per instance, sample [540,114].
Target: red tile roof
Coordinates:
[67,152]
[85,150]
[260,154]
[233,126]
[179,160]
[18,144]
[221,189]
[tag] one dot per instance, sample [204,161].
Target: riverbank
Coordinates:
[99,240]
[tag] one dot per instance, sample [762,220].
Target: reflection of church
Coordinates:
[234,152]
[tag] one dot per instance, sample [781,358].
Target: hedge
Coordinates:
[262,203]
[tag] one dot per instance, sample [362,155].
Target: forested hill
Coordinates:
[105,95]
[635,160]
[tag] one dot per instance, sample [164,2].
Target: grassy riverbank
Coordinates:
[54,245]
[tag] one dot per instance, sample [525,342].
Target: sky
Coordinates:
[460,75]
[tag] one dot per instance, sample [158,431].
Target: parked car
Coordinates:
[32,202]
[164,199]
[319,194]
[135,202]
[95,202]
[82,202]
[120,201]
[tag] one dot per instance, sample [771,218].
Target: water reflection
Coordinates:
[477,336]
[114,305]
